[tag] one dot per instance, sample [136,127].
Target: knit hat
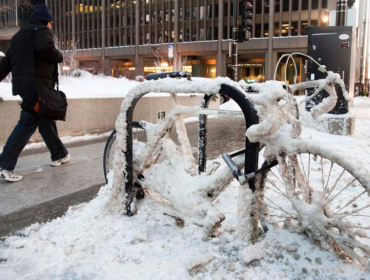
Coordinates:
[42,13]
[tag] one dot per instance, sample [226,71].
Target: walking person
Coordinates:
[18,60]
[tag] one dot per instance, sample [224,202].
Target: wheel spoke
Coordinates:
[330,200]
[354,226]
[335,184]
[277,176]
[278,190]
[309,169]
[322,175]
[349,202]
[327,181]
[279,208]
[304,171]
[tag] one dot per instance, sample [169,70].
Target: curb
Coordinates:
[45,211]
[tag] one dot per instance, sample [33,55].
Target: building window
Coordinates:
[225,33]
[186,39]
[195,11]
[209,33]
[167,16]
[193,34]
[284,29]
[187,14]
[160,16]
[180,35]
[226,9]
[147,18]
[304,28]
[209,11]
[201,34]
[294,29]
[201,12]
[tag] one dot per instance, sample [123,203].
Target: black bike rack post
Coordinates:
[251,118]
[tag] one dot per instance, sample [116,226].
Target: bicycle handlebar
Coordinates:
[163,75]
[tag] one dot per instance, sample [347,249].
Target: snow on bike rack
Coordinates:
[123,169]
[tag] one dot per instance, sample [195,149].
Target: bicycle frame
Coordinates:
[251,149]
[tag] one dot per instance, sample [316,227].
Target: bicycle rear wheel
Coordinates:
[110,148]
[324,195]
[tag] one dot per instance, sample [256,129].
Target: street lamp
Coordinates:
[164,64]
[325,18]
[65,69]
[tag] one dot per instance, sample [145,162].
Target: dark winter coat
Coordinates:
[18,58]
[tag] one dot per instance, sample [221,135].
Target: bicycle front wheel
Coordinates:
[325,195]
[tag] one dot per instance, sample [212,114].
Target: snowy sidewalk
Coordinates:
[46,192]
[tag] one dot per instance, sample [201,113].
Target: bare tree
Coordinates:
[157,58]
[23,4]
[178,61]
[70,58]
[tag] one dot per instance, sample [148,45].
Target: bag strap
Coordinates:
[33,56]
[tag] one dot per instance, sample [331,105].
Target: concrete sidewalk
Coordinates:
[46,192]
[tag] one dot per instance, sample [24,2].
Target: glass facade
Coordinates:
[143,22]
[16,13]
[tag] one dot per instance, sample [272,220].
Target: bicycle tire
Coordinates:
[341,200]
[109,151]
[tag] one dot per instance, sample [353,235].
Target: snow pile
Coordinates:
[361,101]
[87,242]
[83,85]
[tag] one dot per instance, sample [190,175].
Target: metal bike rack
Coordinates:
[250,116]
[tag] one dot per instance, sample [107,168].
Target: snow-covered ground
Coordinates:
[89,243]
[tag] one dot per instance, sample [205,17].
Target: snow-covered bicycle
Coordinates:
[301,184]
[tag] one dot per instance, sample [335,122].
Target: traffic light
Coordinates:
[246,10]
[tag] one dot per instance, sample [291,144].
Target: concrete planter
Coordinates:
[95,115]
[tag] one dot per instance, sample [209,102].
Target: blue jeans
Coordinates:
[22,133]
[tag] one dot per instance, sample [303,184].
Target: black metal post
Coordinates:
[341,12]
[234,47]
[250,115]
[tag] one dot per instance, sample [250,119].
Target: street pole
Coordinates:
[234,47]
[16,13]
